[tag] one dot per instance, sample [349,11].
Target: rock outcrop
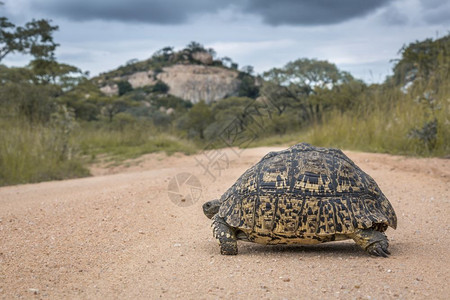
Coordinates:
[189,82]
[140,79]
[203,57]
[197,82]
[110,90]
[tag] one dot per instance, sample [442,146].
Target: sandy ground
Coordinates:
[118,235]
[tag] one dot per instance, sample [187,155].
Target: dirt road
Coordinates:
[119,236]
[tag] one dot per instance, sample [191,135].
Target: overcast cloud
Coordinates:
[303,12]
[146,11]
[436,11]
[359,36]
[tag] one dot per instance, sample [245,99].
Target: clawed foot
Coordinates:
[373,241]
[228,248]
[379,249]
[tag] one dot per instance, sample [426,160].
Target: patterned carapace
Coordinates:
[305,195]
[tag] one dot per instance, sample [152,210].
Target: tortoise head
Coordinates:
[211,208]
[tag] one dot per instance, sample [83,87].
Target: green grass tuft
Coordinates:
[33,154]
[129,142]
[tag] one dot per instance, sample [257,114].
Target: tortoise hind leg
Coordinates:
[225,235]
[372,241]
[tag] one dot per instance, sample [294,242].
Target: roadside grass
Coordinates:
[131,141]
[382,122]
[33,154]
[388,126]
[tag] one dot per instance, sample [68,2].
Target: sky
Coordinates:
[359,36]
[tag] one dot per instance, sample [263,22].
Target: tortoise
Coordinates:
[303,195]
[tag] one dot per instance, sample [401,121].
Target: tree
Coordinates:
[248,70]
[292,85]
[421,59]
[198,118]
[279,97]
[226,61]
[195,47]
[163,54]
[124,87]
[49,71]
[229,115]
[85,100]
[342,97]
[34,38]
[247,87]
[232,109]
[160,87]
[33,91]
[310,73]
[113,106]
[21,96]
[212,52]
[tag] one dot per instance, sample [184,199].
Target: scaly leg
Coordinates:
[225,235]
[372,241]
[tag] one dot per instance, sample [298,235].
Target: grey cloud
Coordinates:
[311,12]
[394,17]
[150,11]
[433,3]
[273,12]
[436,11]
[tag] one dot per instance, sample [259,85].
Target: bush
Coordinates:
[160,87]
[124,87]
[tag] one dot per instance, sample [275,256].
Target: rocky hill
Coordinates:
[191,74]
[195,82]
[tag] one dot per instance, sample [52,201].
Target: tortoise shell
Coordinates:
[305,194]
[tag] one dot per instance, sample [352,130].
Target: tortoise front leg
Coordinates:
[372,241]
[225,235]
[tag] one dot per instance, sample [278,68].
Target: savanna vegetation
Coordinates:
[54,119]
